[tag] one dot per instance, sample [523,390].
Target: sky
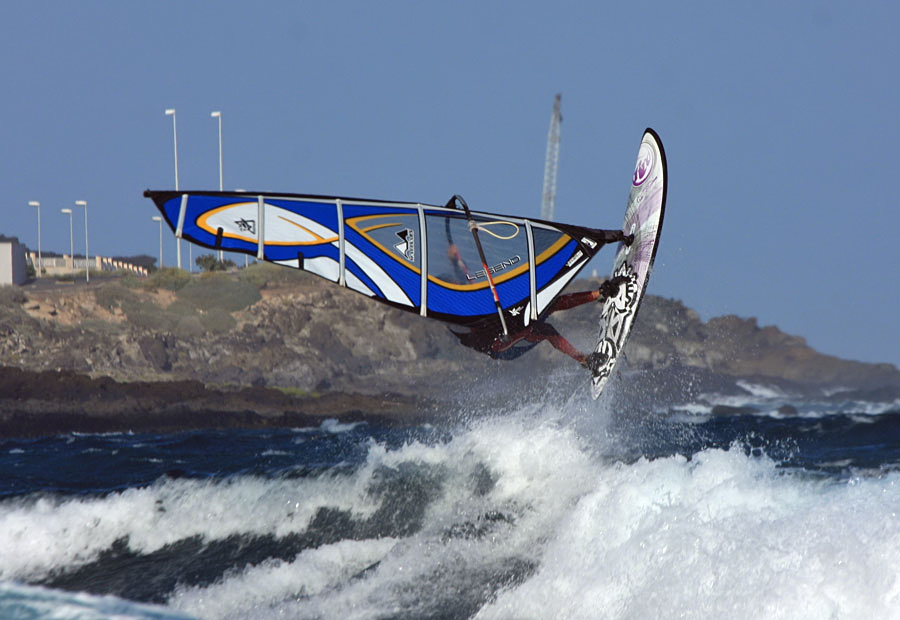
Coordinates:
[778,118]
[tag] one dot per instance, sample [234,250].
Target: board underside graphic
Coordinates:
[643,219]
[416,257]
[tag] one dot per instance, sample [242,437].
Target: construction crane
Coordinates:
[552,164]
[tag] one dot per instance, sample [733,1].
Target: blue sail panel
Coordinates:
[385,242]
[382,249]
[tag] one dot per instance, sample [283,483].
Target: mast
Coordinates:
[552,162]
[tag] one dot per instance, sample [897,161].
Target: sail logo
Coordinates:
[644,165]
[575,258]
[247,226]
[407,245]
[506,264]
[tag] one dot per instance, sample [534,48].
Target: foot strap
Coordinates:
[595,361]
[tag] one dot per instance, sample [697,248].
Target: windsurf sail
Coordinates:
[418,257]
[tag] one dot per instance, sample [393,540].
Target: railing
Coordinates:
[62,265]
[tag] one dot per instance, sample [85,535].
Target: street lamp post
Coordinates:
[71,242]
[171,112]
[217,114]
[87,257]
[35,203]
[157,218]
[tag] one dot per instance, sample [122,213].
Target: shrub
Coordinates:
[99,327]
[263,273]
[218,321]
[129,280]
[12,295]
[188,326]
[113,296]
[210,262]
[147,315]
[219,291]
[169,278]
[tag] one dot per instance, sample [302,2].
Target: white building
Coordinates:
[12,261]
[62,265]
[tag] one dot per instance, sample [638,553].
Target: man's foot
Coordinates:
[595,361]
[628,239]
[610,288]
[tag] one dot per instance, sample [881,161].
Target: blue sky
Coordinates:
[780,121]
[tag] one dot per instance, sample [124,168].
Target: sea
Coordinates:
[781,507]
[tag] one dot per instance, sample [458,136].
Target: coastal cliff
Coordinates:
[287,334]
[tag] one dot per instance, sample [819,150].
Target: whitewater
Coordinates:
[565,510]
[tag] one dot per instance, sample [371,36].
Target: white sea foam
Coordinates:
[761,391]
[311,573]
[772,406]
[536,473]
[532,501]
[698,409]
[21,601]
[721,534]
[332,425]
[871,408]
[274,453]
[39,535]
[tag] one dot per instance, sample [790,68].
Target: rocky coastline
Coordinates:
[267,346]
[35,404]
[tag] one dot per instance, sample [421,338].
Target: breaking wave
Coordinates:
[543,512]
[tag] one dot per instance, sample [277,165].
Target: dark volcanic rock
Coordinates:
[52,402]
[191,343]
[155,348]
[729,410]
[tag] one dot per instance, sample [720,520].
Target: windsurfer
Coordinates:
[511,346]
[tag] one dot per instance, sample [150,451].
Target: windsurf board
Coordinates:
[643,219]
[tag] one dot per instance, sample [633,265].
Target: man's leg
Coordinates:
[573,300]
[610,288]
[544,331]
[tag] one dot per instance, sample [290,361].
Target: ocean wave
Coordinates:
[24,601]
[758,391]
[534,514]
[46,534]
[780,406]
[718,535]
